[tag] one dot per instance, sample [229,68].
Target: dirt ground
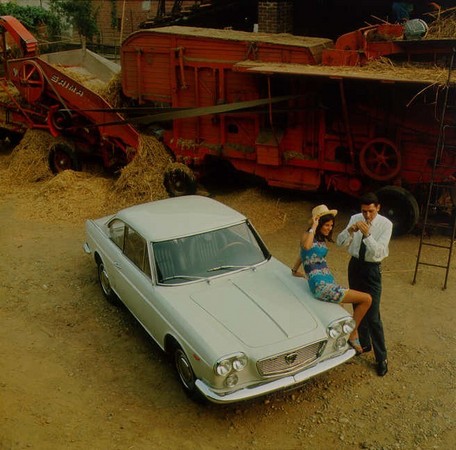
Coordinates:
[79,373]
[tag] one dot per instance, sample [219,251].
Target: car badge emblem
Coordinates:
[291,358]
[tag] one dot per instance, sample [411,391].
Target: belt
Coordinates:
[366,262]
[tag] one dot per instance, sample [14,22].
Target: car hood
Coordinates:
[258,308]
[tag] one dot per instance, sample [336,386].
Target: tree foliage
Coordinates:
[78,13]
[33,17]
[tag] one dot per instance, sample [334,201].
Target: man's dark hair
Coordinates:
[368,199]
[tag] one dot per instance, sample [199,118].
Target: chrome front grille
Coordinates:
[291,360]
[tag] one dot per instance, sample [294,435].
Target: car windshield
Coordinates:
[208,254]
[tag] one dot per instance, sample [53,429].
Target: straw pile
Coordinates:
[72,196]
[142,179]
[29,159]
[444,25]
[84,77]
[111,91]
[409,71]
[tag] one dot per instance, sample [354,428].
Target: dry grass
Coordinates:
[112,90]
[444,25]
[142,179]
[28,162]
[72,196]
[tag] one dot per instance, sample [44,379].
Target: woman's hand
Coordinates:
[298,273]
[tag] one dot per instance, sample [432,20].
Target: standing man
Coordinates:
[367,237]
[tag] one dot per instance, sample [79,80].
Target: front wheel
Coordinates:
[399,206]
[186,375]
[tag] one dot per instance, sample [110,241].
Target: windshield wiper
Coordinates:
[184,277]
[214,269]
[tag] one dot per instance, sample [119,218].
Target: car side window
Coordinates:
[136,250]
[116,233]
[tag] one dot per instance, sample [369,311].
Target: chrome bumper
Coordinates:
[276,385]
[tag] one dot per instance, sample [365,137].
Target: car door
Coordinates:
[135,285]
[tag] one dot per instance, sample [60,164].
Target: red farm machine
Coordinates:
[283,108]
[303,113]
[51,100]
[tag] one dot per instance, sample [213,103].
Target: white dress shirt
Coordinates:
[377,243]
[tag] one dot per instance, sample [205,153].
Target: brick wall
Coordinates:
[275,16]
[135,12]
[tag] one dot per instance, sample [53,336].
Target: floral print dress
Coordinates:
[320,279]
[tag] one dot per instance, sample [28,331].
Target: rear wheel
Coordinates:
[179,180]
[399,206]
[105,285]
[62,157]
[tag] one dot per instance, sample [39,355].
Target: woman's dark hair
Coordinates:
[321,221]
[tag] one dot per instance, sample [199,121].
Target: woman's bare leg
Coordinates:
[361,302]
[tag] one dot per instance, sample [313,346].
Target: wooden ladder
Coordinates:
[441,190]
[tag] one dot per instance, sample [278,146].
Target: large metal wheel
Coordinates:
[399,206]
[179,180]
[380,159]
[31,81]
[62,157]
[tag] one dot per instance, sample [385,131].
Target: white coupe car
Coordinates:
[201,282]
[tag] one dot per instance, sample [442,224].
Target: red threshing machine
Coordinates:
[52,100]
[275,106]
[278,106]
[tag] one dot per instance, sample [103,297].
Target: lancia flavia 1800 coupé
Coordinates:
[199,279]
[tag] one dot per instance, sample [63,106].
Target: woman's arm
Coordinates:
[308,237]
[295,269]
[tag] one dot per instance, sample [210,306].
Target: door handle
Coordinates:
[117,265]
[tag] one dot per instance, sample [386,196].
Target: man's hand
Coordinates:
[363,227]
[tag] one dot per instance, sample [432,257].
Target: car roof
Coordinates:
[179,216]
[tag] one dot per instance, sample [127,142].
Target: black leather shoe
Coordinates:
[382,368]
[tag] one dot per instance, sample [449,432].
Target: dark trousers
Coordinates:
[367,277]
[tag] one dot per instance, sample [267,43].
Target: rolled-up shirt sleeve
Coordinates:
[344,238]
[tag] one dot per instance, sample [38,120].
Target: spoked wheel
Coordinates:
[31,84]
[63,157]
[179,180]
[380,159]
[401,207]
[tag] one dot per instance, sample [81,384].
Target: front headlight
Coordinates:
[335,330]
[227,364]
[349,326]
[341,328]
[239,362]
[223,367]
